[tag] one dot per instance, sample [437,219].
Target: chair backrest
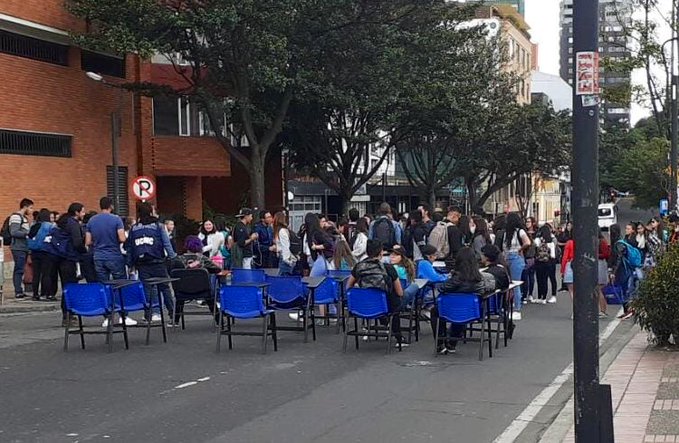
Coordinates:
[248,276]
[327,292]
[242,301]
[134,297]
[88,299]
[495,303]
[459,307]
[285,289]
[367,303]
[192,284]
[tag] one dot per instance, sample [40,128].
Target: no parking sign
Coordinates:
[143,188]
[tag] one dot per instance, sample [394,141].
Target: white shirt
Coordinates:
[516,244]
[283,247]
[360,246]
[215,241]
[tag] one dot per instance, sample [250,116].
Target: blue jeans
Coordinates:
[20,258]
[516,264]
[151,270]
[284,269]
[409,294]
[110,269]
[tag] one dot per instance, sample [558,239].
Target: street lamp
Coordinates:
[115,135]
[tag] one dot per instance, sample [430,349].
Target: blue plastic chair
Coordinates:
[90,300]
[338,273]
[411,312]
[615,295]
[248,276]
[134,299]
[462,309]
[245,302]
[288,293]
[328,293]
[367,304]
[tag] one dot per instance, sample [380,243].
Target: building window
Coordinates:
[184,112]
[31,143]
[124,203]
[102,64]
[165,116]
[33,48]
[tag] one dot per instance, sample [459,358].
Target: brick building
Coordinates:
[55,128]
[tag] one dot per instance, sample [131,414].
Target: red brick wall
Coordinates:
[46,12]
[190,156]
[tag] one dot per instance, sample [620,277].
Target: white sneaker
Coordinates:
[105,323]
[551,300]
[530,299]
[128,321]
[516,316]
[295,316]
[543,302]
[155,317]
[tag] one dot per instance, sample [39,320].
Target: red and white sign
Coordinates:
[143,188]
[587,73]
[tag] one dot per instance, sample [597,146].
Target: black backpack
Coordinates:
[295,244]
[384,231]
[4,231]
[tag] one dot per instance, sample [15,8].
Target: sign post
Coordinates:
[143,188]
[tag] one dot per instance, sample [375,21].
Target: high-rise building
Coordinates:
[520,5]
[614,17]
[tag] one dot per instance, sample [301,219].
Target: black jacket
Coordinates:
[456,284]
[501,276]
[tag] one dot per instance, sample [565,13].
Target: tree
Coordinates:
[245,59]
[642,170]
[383,77]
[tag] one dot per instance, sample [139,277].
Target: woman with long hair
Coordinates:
[225,249]
[464,225]
[467,278]
[407,273]
[211,238]
[481,236]
[528,274]
[655,242]
[516,241]
[281,234]
[36,240]
[343,258]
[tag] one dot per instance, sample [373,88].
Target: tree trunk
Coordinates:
[431,196]
[257,179]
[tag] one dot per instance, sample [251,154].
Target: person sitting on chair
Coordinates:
[490,257]
[193,258]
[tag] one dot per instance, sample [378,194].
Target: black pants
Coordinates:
[451,336]
[545,272]
[87,269]
[40,273]
[67,272]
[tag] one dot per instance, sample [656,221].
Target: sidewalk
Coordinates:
[12,305]
[645,388]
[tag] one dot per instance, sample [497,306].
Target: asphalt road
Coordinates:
[183,391]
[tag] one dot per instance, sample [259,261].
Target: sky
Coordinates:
[543,18]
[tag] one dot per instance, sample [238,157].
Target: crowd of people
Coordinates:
[457,252]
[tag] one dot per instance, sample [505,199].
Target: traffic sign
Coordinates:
[664,207]
[143,188]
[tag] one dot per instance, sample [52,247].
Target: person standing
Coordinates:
[244,240]
[286,259]
[528,275]
[171,233]
[455,235]
[427,221]
[545,264]
[64,246]
[36,244]
[516,241]
[604,256]
[18,230]
[104,234]
[481,236]
[359,241]
[264,239]
[385,229]
[148,247]
[212,239]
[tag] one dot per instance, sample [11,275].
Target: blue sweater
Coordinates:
[425,269]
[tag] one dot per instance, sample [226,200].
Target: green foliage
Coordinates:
[657,306]
[643,171]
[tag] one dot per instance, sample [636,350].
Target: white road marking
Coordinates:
[203,379]
[186,385]
[533,409]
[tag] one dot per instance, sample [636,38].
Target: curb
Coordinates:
[15,308]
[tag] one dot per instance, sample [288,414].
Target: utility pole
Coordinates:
[589,407]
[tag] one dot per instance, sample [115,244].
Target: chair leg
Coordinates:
[356,331]
[345,338]
[305,322]
[219,331]
[482,338]
[229,322]
[490,336]
[340,314]
[389,333]
[125,336]
[312,318]
[436,336]
[68,324]
[109,331]
[265,327]
[82,333]
[148,327]
[274,334]
[162,319]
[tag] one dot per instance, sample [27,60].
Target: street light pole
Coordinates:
[589,408]
[674,200]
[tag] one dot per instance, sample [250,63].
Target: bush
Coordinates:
[657,306]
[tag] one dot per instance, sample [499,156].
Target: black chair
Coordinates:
[193,284]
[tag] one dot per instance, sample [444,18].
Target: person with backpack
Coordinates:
[385,229]
[358,242]
[438,237]
[373,273]
[415,236]
[284,238]
[627,270]
[36,244]
[148,247]
[545,264]
[480,236]
[15,235]
[63,247]
[455,235]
